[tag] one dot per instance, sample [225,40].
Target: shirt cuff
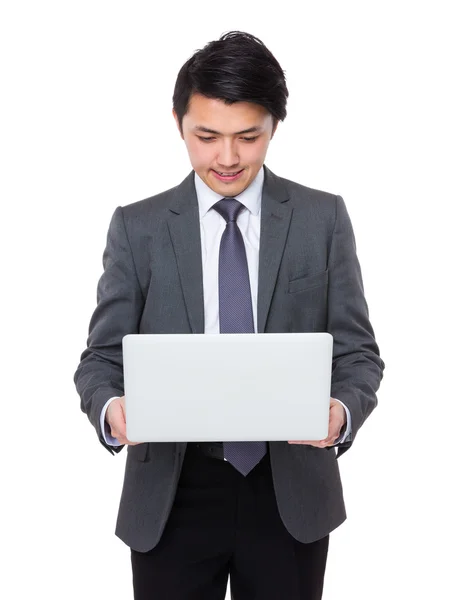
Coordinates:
[346,436]
[105,429]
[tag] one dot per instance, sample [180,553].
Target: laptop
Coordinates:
[227,387]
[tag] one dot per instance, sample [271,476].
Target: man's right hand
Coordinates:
[115,417]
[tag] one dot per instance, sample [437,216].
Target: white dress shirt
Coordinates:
[212,226]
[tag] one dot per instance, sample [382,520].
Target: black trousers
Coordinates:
[221,524]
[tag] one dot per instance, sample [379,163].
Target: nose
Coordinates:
[228,157]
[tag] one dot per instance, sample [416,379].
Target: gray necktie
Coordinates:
[235,314]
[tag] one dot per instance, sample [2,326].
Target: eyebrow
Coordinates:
[207,130]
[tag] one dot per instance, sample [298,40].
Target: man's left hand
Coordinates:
[337,419]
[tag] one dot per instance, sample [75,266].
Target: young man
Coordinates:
[259,512]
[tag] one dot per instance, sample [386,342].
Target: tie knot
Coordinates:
[229,208]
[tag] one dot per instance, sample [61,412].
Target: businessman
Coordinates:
[232,248]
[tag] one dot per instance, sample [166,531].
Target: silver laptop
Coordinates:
[227,387]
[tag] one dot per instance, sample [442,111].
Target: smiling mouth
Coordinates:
[224,174]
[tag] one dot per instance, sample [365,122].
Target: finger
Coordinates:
[125,441]
[333,433]
[122,439]
[329,441]
[335,426]
[330,438]
[119,424]
[118,434]
[316,443]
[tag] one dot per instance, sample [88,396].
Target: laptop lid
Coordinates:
[227,387]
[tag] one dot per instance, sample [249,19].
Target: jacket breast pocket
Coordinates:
[309,282]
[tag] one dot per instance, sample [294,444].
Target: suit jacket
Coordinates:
[309,280]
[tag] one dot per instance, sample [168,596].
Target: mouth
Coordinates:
[227,177]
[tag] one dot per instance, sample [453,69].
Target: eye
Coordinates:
[250,139]
[205,139]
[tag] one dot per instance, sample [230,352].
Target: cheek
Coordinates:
[258,153]
[199,154]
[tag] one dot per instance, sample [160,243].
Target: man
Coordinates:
[192,513]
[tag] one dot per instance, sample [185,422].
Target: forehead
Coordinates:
[211,113]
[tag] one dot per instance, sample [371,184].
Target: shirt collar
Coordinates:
[250,197]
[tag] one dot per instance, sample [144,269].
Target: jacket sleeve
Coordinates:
[120,304]
[357,368]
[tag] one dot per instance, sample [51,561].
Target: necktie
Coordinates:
[235,314]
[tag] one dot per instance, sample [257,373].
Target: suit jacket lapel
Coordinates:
[275,222]
[184,229]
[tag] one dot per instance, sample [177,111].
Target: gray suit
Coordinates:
[309,280]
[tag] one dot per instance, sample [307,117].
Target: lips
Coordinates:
[227,178]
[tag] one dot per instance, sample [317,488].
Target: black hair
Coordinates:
[236,68]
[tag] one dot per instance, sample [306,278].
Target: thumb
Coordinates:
[117,420]
[122,406]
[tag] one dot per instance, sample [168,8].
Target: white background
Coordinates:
[86,126]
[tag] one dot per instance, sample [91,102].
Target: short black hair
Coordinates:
[236,68]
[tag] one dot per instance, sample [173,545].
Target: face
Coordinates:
[226,139]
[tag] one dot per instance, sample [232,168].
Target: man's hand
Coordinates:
[115,416]
[337,419]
